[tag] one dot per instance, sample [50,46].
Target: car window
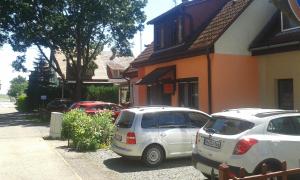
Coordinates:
[227,126]
[196,120]
[149,121]
[125,120]
[171,119]
[285,125]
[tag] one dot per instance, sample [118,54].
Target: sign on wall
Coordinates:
[291,8]
[295,7]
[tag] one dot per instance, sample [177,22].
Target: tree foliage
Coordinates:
[18,86]
[77,28]
[42,81]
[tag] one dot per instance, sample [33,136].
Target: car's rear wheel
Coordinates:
[153,156]
[272,167]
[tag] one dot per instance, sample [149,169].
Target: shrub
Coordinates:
[103,93]
[21,103]
[87,132]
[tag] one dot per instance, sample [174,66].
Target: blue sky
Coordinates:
[7,55]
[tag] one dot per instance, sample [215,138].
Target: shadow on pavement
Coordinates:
[19,119]
[123,165]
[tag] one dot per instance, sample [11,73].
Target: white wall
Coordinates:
[243,31]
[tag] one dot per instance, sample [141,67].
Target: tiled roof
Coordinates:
[145,55]
[103,60]
[229,13]
[273,40]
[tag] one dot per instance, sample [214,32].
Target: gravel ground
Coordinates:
[130,169]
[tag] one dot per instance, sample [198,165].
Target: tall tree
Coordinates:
[78,28]
[18,86]
[41,82]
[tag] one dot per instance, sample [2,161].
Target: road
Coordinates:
[24,154]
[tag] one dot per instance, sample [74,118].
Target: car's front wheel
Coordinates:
[153,156]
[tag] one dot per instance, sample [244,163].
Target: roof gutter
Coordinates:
[209,84]
[275,46]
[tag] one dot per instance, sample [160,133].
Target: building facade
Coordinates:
[200,56]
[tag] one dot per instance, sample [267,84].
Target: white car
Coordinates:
[155,133]
[248,138]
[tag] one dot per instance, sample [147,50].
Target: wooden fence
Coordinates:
[224,173]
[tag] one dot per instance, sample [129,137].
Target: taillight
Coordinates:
[244,145]
[196,141]
[130,139]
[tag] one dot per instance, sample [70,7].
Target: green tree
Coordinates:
[78,28]
[42,81]
[18,86]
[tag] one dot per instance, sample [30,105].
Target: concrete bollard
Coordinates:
[56,125]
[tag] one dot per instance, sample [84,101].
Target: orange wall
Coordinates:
[142,89]
[185,68]
[235,82]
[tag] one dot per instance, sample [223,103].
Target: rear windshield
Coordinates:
[226,126]
[125,120]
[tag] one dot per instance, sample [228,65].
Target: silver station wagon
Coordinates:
[153,134]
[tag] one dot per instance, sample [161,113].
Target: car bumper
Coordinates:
[208,166]
[130,151]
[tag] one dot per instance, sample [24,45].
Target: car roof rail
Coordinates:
[273,113]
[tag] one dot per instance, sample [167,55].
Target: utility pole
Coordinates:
[141,42]
[175,2]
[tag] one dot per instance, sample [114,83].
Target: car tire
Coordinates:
[272,167]
[153,156]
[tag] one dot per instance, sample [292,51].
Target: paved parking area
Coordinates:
[23,152]
[113,166]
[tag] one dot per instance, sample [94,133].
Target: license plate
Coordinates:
[118,137]
[212,143]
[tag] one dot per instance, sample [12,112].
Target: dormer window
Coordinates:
[169,33]
[288,23]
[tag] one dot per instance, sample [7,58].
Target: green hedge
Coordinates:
[103,93]
[88,132]
[22,103]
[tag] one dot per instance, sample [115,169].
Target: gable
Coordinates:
[238,37]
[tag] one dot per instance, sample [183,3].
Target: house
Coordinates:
[108,72]
[200,55]
[276,49]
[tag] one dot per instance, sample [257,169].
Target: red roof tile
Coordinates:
[145,55]
[229,13]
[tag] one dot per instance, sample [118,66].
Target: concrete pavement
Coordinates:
[23,152]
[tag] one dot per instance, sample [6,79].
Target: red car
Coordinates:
[93,107]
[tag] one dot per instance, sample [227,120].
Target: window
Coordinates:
[285,125]
[288,23]
[226,126]
[285,94]
[125,120]
[171,120]
[188,94]
[196,120]
[168,33]
[149,121]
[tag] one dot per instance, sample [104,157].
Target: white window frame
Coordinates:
[284,30]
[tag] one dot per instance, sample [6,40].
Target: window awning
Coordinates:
[157,75]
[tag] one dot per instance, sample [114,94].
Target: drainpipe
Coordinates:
[209,82]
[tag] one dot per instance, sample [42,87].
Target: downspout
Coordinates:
[209,82]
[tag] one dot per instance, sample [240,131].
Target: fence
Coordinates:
[224,173]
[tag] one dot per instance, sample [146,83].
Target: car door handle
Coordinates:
[163,135]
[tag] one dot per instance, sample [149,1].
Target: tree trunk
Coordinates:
[78,90]
[79,65]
